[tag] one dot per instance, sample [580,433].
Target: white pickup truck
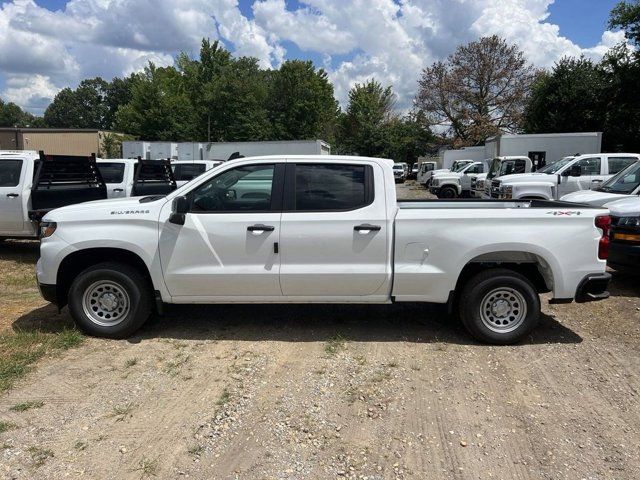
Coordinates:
[500,166]
[625,184]
[312,229]
[455,184]
[568,175]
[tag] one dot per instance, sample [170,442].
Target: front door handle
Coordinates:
[118,190]
[365,228]
[12,195]
[260,228]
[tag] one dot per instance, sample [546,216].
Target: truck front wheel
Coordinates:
[110,300]
[499,306]
[448,192]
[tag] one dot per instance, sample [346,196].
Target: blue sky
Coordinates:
[391,40]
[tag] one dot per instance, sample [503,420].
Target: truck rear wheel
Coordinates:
[110,300]
[499,306]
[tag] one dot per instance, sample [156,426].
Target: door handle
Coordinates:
[365,227]
[12,195]
[118,190]
[260,228]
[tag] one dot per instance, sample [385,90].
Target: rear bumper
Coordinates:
[49,292]
[593,287]
[624,257]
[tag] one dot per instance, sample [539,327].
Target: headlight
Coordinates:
[629,222]
[507,192]
[47,229]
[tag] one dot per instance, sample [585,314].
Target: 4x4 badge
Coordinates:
[566,213]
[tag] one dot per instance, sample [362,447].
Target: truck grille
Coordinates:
[495,189]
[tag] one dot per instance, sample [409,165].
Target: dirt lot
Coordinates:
[300,392]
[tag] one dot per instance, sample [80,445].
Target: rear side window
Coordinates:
[324,187]
[111,172]
[617,164]
[189,171]
[10,173]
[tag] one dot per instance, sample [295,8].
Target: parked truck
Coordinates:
[307,229]
[626,184]
[456,184]
[425,171]
[570,174]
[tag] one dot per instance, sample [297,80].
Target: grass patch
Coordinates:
[24,406]
[21,280]
[334,345]
[120,412]
[147,467]
[6,426]
[132,362]
[39,455]
[21,349]
[225,396]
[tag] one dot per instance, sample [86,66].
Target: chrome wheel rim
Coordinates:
[106,303]
[503,310]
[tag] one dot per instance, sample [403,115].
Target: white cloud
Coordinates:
[392,40]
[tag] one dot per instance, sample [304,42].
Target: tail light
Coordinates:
[604,224]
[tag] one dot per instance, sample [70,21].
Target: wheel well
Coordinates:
[72,265]
[532,266]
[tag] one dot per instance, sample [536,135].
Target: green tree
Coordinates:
[83,107]
[361,128]
[626,15]
[408,138]
[301,102]
[570,98]
[11,115]
[159,109]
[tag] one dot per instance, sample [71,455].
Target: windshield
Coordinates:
[459,166]
[495,168]
[555,166]
[624,182]
[398,166]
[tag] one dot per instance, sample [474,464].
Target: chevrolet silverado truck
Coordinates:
[312,229]
[584,172]
[456,184]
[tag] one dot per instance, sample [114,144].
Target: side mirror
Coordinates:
[573,171]
[180,208]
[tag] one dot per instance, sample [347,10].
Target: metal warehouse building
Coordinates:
[55,141]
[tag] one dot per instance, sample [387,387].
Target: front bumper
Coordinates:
[593,287]
[624,257]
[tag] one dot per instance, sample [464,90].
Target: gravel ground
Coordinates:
[324,392]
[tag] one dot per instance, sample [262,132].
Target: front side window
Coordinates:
[590,166]
[322,187]
[617,164]
[111,172]
[475,169]
[242,189]
[10,173]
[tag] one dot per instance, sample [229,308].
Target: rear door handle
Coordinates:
[261,228]
[118,190]
[12,195]
[365,227]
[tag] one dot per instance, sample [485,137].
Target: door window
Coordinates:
[475,169]
[10,173]
[111,172]
[242,189]
[323,187]
[617,164]
[188,171]
[590,166]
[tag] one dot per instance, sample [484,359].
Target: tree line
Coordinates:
[484,88]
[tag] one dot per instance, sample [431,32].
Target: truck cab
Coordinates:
[117,174]
[625,184]
[425,171]
[499,166]
[584,172]
[456,184]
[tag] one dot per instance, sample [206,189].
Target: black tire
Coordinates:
[488,326]
[125,282]
[448,192]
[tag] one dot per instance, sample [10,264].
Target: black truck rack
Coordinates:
[153,177]
[61,180]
